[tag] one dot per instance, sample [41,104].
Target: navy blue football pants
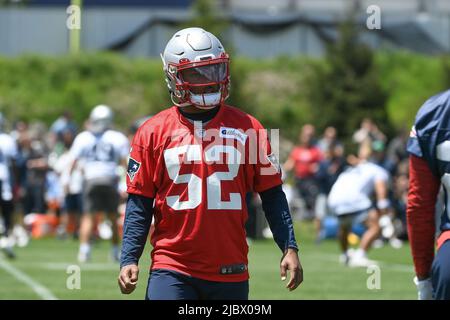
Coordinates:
[170,285]
[440,272]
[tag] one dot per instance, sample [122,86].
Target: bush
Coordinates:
[410,79]
[348,87]
[279,92]
[40,88]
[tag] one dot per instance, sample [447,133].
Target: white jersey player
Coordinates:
[8,152]
[99,152]
[350,199]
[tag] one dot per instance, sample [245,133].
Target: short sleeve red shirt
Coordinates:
[305,159]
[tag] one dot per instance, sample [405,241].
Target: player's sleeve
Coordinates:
[413,146]
[138,218]
[277,213]
[423,190]
[77,147]
[141,171]
[381,175]
[13,151]
[124,147]
[267,168]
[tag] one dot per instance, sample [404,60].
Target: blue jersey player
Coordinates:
[429,149]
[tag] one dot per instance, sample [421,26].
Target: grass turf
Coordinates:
[45,261]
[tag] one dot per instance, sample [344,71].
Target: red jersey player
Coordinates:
[190,168]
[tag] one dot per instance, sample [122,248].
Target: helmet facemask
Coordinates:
[99,126]
[204,83]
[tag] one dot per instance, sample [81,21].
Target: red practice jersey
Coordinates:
[305,159]
[199,176]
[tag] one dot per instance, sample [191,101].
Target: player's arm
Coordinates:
[289,164]
[423,190]
[277,213]
[138,218]
[75,153]
[124,152]
[73,164]
[381,192]
[267,182]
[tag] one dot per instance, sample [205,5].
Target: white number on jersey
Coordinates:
[194,182]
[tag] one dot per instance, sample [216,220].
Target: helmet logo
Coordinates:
[172,69]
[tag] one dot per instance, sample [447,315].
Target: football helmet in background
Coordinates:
[100,119]
[198,52]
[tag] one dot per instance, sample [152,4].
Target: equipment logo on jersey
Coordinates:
[133,168]
[233,133]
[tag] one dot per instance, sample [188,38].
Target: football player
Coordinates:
[8,154]
[350,199]
[429,149]
[190,168]
[98,152]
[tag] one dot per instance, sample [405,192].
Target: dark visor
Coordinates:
[208,73]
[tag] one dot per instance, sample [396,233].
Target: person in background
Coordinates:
[59,127]
[63,124]
[304,161]
[368,130]
[329,170]
[400,198]
[72,184]
[99,151]
[329,138]
[8,156]
[396,150]
[34,157]
[350,199]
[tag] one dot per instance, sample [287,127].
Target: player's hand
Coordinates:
[424,289]
[291,262]
[128,278]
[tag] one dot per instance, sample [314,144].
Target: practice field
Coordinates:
[41,272]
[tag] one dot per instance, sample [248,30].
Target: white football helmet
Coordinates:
[198,52]
[100,119]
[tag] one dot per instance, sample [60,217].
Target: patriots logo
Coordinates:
[133,168]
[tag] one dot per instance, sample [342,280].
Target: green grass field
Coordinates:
[42,267]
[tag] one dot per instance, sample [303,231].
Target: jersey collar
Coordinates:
[213,122]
